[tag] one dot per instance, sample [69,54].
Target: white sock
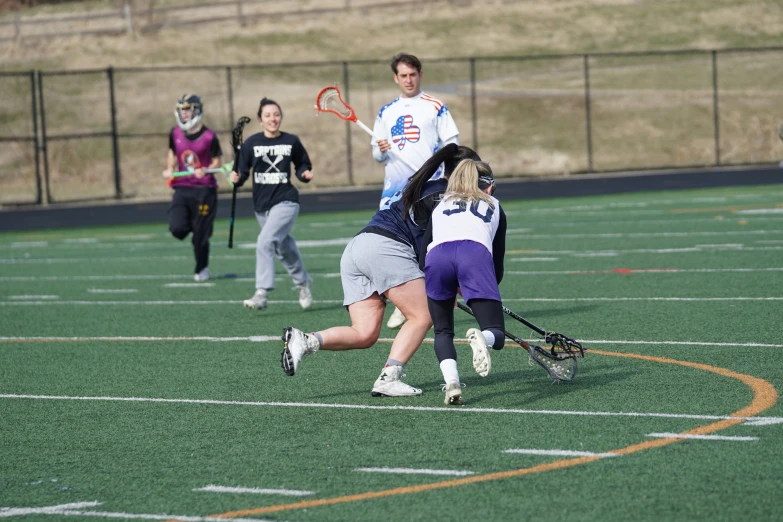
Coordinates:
[489,337]
[449,369]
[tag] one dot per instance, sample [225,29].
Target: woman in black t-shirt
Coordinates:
[269,156]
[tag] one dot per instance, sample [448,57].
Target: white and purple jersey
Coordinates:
[415,128]
[455,220]
[465,244]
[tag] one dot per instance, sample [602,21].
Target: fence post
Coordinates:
[240,18]
[715,114]
[17,27]
[588,118]
[115,145]
[229,82]
[348,147]
[44,146]
[126,11]
[39,190]
[473,111]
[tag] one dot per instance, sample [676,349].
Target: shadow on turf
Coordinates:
[534,384]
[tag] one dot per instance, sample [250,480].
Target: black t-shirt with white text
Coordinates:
[270,161]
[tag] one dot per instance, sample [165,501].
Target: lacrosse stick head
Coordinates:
[330,100]
[780,131]
[559,369]
[236,133]
[564,347]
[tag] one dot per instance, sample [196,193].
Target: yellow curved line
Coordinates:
[764,397]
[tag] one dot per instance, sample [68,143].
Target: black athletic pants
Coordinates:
[193,209]
[489,315]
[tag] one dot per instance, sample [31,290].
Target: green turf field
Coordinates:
[127,391]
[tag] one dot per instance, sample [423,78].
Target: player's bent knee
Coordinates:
[366,339]
[179,233]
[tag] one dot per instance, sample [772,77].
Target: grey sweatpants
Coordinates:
[275,240]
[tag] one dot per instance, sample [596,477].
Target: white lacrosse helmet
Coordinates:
[188,101]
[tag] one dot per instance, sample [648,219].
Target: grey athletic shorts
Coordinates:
[374,263]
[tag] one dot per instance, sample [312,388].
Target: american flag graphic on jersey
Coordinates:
[404,131]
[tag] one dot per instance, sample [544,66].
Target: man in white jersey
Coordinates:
[415,125]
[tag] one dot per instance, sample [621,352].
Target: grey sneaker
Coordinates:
[305,295]
[297,345]
[481,359]
[258,301]
[453,391]
[390,385]
[202,276]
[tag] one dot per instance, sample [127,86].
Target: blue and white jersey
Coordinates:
[455,220]
[415,128]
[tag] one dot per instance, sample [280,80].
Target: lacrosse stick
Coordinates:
[236,144]
[559,369]
[562,347]
[330,100]
[225,170]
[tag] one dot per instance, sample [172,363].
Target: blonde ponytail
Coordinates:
[464,183]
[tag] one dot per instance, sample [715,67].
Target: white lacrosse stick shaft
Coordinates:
[369,131]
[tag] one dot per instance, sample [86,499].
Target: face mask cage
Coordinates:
[192,105]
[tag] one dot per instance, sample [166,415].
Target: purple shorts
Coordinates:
[464,264]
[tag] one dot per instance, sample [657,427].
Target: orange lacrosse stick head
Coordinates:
[330,100]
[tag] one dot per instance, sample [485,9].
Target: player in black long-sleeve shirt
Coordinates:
[269,156]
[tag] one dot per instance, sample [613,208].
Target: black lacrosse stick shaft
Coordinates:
[236,144]
[231,220]
[524,321]
[520,342]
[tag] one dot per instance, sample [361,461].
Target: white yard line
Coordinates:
[151,303]
[189,285]
[112,290]
[448,411]
[621,235]
[534,259]
[332,275]
[643,271]
[761,211]
[73,510]
[339,301]
[253,339]
[412,471]
[275,338]
[114,277]
[32,297]
[700,437]
[257,491]
[560,453]
[682,250]
[45,510]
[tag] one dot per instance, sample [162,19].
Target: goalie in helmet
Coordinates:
[193,148]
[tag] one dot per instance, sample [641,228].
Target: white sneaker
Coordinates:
[453,391]
[390,385]
[481,359]
[305,295]
[297,345]
[202,276]
[396,319]
[258,301]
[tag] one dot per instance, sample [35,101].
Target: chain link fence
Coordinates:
[103,134]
